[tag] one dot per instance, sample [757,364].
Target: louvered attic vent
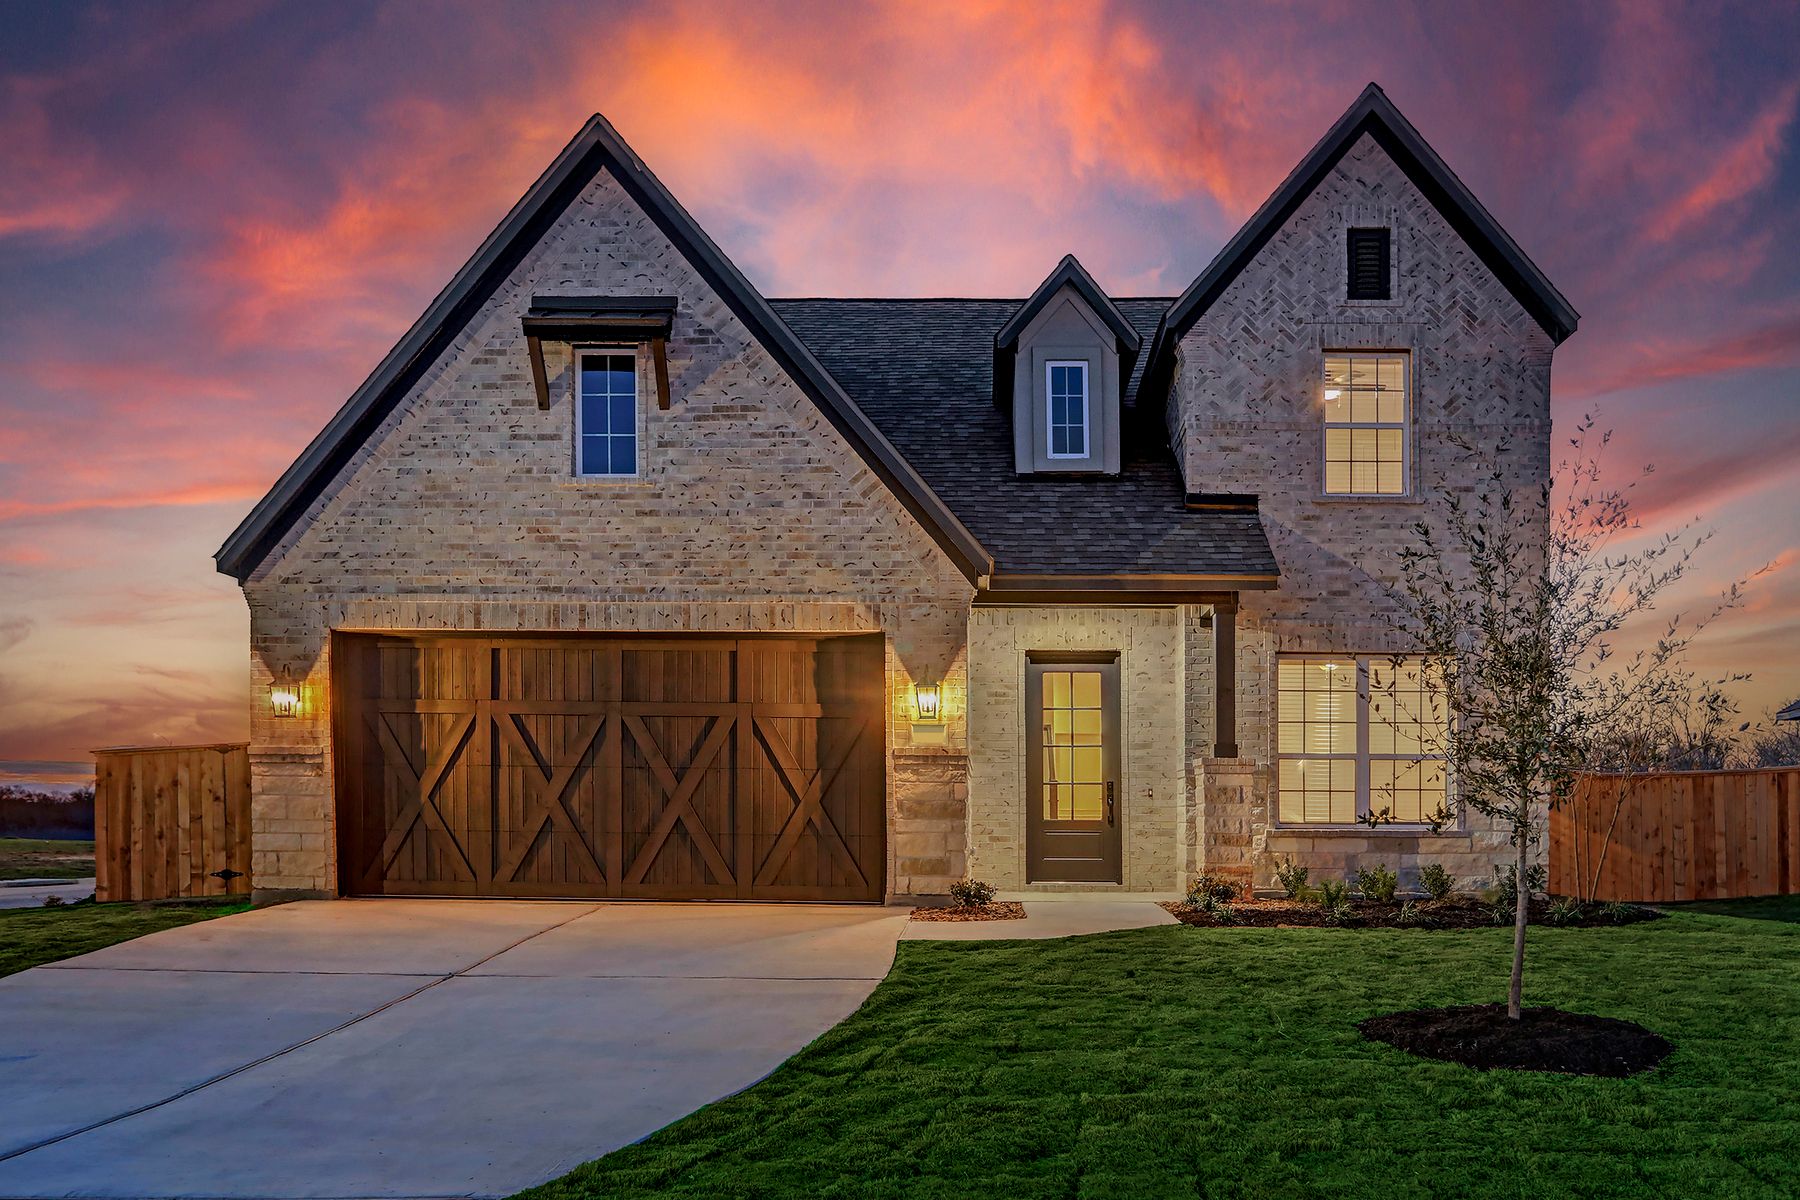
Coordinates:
[1368,264]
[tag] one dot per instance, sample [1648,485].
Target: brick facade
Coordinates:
[460,512]
[1245,417]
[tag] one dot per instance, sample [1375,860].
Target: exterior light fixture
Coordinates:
[284,700]
[926,705]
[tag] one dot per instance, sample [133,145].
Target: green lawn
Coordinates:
[31,937]
[41,858]
[1225,1063]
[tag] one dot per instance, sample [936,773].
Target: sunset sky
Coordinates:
[216,218]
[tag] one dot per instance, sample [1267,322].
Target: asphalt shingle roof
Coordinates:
[923,371]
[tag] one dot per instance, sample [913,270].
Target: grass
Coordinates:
[42,858]
[31,937]
[1225,1063]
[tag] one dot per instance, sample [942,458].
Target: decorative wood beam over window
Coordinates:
[634,320]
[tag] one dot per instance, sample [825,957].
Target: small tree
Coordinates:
[1514,601]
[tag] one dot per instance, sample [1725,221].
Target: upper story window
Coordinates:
[1359,734]
[1370,252]
[1368,415]
[1067,389]
[606,414]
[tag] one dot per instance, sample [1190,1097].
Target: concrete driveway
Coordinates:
[398,1048]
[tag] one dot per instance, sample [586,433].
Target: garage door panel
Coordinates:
[611,767]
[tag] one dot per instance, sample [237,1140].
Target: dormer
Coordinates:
[1058,363]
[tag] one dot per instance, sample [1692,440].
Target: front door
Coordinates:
[1072,770]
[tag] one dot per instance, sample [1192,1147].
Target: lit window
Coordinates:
[606,437]
[1367,413]
[1068,392]
[1358,734]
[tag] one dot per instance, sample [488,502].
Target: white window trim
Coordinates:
[1087,409]
[1362,756]
[637,410]
[1404,425]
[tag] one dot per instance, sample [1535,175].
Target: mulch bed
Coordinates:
[1455,912]
[999,910]
[1542,1039]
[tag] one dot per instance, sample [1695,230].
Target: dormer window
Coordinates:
[1066,385]
[1058,365]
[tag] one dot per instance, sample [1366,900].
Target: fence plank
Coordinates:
[166,818]
[1681,835]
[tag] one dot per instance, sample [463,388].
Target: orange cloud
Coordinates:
[241,492]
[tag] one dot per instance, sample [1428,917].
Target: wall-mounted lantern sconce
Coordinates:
[926,703]
[284,699]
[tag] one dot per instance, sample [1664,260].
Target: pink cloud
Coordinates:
[1745,165]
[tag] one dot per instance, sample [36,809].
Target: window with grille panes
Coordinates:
[1358,734]
[1368,418]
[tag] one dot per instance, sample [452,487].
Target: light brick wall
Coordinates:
[1151,803]
[1246,417]
[461,512]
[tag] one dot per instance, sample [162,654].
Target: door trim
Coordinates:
[1107,867]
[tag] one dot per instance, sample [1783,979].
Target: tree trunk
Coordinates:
[1515,993]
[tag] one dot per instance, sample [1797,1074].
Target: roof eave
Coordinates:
[1122,588]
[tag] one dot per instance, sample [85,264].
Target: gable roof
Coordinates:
[598,146]
[1070,273]
[1374,114]
[920,368]
[1790,713]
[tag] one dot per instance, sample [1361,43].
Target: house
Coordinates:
[617,578]
[1790,713]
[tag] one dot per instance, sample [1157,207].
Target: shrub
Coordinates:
[1506,888]
[1435,882]
[54,902]
[1208,886]
[1412,913]
[1377,883]
[1292,878]
[1617,911]
[1565,910]
[1342,913]
[972,893]
[1220,911]
[1334,893]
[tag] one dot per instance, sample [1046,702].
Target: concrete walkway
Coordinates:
[1050,917]
[392,1048]
[31,893]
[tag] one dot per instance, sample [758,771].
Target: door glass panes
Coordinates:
[1074,766]
[606,422]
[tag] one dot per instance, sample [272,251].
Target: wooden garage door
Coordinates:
[684,768]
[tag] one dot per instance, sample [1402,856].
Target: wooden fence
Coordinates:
[1684,835]
[171,821]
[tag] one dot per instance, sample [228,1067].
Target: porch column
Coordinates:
[1224,628]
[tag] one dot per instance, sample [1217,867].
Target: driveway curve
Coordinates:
[357,1049]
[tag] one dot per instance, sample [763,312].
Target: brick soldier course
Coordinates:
[849,467]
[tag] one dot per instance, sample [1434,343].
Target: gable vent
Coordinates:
[1368,264]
